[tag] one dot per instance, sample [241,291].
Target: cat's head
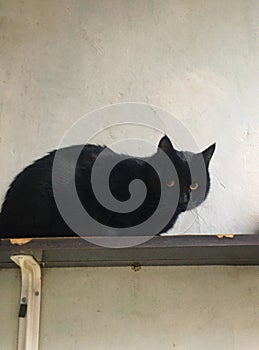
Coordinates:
[191,176]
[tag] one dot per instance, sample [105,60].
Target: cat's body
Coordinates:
[30,209]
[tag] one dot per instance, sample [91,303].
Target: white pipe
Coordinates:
[29,314]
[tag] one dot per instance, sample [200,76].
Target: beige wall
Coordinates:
[185,308]
[199,61]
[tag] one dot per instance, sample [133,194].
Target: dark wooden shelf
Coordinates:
[159,251]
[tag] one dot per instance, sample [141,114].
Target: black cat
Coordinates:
[30,208]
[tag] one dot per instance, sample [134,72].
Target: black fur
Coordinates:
[29,208]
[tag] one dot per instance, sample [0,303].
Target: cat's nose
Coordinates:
[186,198]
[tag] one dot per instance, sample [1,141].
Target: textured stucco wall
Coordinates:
[196,59]
[185,308]
[199,61]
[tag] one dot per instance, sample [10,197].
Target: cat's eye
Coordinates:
[170,183]
[194,186]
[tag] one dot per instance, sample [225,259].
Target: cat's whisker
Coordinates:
[200,217]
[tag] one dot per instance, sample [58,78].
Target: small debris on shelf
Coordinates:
[20,241]
[227,236]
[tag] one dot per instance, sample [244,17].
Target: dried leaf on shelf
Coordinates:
[227,236]
[20,241]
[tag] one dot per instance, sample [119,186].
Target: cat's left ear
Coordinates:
[166,145]
[208,153]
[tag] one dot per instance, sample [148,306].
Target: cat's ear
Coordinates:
[208,153]
[165,145]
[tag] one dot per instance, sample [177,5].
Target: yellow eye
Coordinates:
[171,183]
[194,186]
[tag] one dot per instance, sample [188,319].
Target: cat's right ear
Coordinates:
[208,153]
[166,145]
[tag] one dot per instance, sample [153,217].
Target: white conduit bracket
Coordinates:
[29,313]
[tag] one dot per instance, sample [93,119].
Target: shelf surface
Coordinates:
[159,251]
